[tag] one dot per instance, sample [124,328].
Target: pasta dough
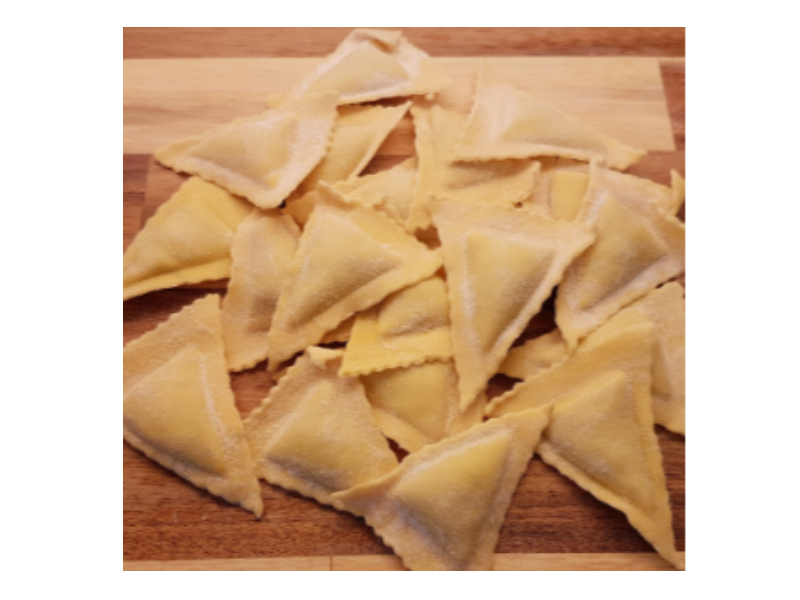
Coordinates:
[262,158]
[502,264]
[315,434]
[350,258]
[178,407]
[372,64]
[638,248]
[263,249]
[442,509]
[505,122]
[188,240]
[503,182]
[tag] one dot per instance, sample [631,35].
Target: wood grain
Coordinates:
[552,524]
[166,100]
[228,42]
[673,72]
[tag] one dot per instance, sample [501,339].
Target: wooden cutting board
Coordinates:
[552,524]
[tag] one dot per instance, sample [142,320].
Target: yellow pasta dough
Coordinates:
[391,191]
[372,64]
[188,240]
[502,265]
[443,507]
[263,248]
[408,328]
[602,434]
[315,433]
[262,158]
[506,122]
[537,355]
[179,409]
[638,247]
[504,182]
[359,133]
[350,258]
[418,406]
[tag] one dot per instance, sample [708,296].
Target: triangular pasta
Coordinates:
[561,189]
[443,507]
[408,328]
[665,309]
[350,258]
[602,433]
[604,441]
[372,64]
[178,407]
[419,406]
[263,249]
[638,248]
[187,241]
[537,355]
[502,264]
[506,122]
[359,133]
[315,434]
[389,191]
[262,158]
[505,182]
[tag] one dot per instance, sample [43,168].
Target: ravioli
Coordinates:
[350,258]
[443,507]
[419,406]
[665,309]
[537,355]
[187,241]
[357,136]
[410,327]
[502,265]
[264,157]
[179,409]
[506,122]
[263,249]
[631,190]
[372,64]
[315,433]
[391,191]
[561,189]
[638,248]
[505,182]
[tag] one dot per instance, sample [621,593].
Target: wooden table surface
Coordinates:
[176,81]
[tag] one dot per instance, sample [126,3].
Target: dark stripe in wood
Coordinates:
[162,183]
[673,72]
[134,173]
[207,42]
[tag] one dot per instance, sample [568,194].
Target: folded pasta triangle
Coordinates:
[179,409]
[350,258]
[262,158]
[638,248]
[604,441]
[359,133]
[602,434]
[536,355]
[187,241]
[419,406]
[505,182]
[372,64]
[665,309]
[315,434]
[408,328]
[263,248]
[389,191]
[506,122]
[443,507]
[502,265]
[561,189]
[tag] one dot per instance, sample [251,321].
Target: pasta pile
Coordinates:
[384,304]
